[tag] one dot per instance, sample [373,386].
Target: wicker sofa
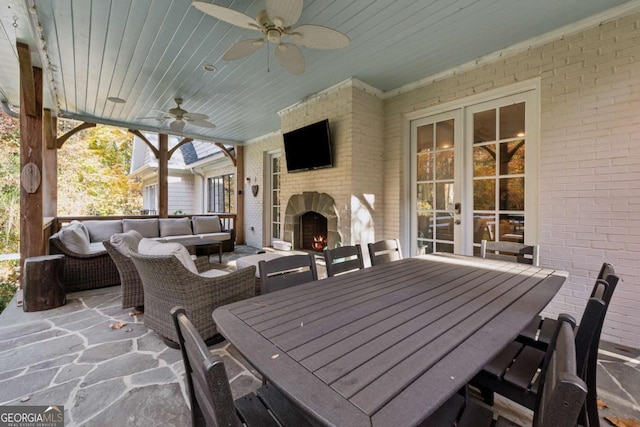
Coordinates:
[88,265]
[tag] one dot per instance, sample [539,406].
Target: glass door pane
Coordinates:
[435,187]
[276,225]
[499,150]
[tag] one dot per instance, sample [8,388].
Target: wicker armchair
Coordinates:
[85,271]
[168,283]
[132,291]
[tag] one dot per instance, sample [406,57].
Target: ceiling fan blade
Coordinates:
[318,37]
[284,13]
[227,15]
[177,125]
[243,48]
[164,113]
[202,123]
[195,116]
[290,57]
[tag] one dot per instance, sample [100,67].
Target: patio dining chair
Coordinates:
[510,251]
[538,334]
[209,390]
[512,373]
[561,392]
[384,251]
[343,259]
[287,271]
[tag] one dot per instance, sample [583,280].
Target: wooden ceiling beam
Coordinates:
[227,152]
[146,141]
[62,139]
[27,83]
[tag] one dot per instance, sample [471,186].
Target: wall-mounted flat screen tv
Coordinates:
[308,147]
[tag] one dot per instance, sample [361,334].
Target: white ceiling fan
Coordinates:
[181,117]
[275,23]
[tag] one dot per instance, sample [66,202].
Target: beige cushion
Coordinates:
[213,273]
[100,231]
[206,224]
[74,238]
[151,247]
[146,227]
[175,227]
[125,241]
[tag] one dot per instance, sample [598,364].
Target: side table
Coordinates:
[43,287]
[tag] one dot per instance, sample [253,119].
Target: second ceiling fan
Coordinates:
[275,23]
[180,117]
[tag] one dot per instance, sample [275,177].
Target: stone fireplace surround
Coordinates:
[310,201]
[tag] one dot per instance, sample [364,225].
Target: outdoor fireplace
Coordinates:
[311,205]
[313,231]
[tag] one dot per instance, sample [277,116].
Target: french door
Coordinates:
[274,208]
[474,175]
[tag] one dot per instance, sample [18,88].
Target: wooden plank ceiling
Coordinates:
[149,52]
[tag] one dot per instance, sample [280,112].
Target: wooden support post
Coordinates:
[163,173]
[49,165]
[31,236]
[240,190]
[28,91]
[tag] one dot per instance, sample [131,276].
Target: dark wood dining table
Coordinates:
[387,345]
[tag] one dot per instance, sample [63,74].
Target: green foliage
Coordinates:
[92,174]
[8,283]
[9,184]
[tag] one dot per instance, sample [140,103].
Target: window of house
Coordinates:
[150,198]
[221,190]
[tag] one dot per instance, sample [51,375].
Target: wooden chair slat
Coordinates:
[524,368]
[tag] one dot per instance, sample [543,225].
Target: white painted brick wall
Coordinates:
[255,167]
[589,162]
[355,181]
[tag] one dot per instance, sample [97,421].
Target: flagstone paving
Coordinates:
[69,356]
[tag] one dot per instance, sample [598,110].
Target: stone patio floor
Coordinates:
[69,357]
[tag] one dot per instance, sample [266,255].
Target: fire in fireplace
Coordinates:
[313,231]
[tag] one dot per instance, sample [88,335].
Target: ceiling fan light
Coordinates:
[278,22]
[273,35]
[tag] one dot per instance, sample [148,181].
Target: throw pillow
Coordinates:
[74,239]
[125,241]
[175,227]
[82,227]
[151,247]
[206,224]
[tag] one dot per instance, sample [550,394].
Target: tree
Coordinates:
[92,174]
[9,204]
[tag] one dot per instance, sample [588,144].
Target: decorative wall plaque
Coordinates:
[30,178]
